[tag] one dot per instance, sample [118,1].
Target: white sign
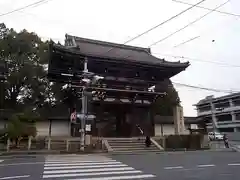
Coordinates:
[90,117]
[88,127]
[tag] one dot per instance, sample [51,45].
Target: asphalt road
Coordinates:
[21,167]
[172,166]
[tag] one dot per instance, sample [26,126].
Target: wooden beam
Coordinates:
[122,90]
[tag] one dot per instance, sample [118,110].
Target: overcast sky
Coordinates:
[120,20]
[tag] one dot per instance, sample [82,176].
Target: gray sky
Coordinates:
[119,21]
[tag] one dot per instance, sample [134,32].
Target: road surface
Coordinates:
[176,166]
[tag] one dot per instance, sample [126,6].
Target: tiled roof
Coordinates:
[117,51]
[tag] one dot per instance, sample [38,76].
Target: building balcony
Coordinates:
[219,110]
[225,124]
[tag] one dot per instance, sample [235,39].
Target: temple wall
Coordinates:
[166,129]
[59,128]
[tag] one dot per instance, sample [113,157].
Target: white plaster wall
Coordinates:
[168,129]
[42,128]
[59,128]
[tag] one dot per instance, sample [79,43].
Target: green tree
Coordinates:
[164,104]
[21,125]
[3,30]
[26,56]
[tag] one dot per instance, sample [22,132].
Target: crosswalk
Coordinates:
[89,167]
[1,160]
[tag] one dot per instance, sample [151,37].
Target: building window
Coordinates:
[237,116]
[204,108]
[226,129]
[227,117]
[236,102]
[222,105]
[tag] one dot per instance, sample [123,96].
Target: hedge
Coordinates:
[189,142]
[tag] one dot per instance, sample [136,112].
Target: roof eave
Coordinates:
[71,50]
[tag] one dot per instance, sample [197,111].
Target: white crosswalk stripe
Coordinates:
[89,167]
[1,161]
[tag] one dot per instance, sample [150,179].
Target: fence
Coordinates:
[51,144]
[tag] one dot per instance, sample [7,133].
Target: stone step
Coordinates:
[134,148]
[136,152]
[125,139]
[130,145]
[141,140]
[121,143]
[127,145]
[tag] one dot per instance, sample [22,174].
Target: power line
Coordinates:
[162,23]
[200,60]
[25,7]
[187,41]
[206,88]
[191,23]
[222,12]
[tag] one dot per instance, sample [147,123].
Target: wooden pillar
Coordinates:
[151,122]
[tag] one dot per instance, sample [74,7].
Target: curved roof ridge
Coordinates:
[164,61]
[107,43]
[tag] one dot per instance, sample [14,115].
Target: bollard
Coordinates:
[67,145]
[88,139]
[29,142]
[164,142]
[49,143]
[8,145]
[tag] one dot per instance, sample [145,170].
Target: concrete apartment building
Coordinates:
[224,111]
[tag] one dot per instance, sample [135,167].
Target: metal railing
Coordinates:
[151,139]
[67,144]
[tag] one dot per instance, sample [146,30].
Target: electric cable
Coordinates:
[25,7]
[222,12]
[189,24]
[158,25]
[200,60]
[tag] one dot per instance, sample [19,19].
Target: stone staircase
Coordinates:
[130,145]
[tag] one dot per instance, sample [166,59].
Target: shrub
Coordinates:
[191,142]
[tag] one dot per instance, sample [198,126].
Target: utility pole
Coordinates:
[84,107]
[89,79]
[214,120]
[83,112]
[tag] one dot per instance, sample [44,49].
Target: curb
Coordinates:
[40,153]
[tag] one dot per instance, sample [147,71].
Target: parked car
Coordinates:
[215,136]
